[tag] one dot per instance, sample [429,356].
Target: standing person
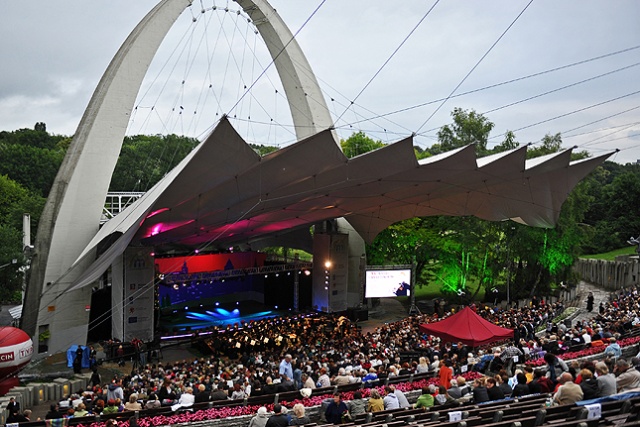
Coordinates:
[95,376]
[285,367]
[336,410]
[446,374]
[93,357]
[590,300]
[555,367]
[120,355]
[115,391]
[77,361]
[13,407]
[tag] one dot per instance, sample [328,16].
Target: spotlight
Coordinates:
[176,286]
[276,307]
[197,251]
[237,302]
[327,264]
[307,272]
[217,303]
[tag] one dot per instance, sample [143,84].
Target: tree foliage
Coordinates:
[359,143]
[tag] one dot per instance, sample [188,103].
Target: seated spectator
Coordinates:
[568,392]
[390,399]
[606,380]
[299,418]
[613,349]
[521,388]
[132,404]
[261,418]
[628,377]
[454,390]
[588,384]
[202,395]
[375,403]
[278,419]
[111,407]
[81,410]
[494,392]
[423,366]
[443,398]
[480,393]
[371,376]
[307,382]
[358,405]
[540,383]
[336,410]
[153,402]
[425,400]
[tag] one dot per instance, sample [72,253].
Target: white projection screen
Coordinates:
[388,283]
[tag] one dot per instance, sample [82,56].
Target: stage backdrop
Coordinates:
[209,262]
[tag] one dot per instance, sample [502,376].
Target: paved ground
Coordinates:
[599,294]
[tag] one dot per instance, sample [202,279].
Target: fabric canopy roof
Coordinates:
[224,194]
[468,327]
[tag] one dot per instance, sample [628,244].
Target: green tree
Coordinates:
[145,159]
[359,143]
[468,127]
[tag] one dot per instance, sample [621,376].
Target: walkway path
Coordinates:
[599,295]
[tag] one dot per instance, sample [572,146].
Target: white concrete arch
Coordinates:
[72,212]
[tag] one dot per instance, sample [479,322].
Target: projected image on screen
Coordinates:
[387,283]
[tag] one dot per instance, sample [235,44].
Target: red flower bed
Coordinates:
[236,411]
[570,355]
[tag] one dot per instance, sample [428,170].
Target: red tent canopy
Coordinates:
[468,327]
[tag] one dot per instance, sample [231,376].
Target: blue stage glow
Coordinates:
[219,317]
[224,312]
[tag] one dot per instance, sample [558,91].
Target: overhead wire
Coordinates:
[474,67]
[396,50]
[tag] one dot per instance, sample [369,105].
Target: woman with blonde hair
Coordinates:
[423,366]
[299,417]
[375,402]
[132,404]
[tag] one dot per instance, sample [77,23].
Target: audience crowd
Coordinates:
[313,351]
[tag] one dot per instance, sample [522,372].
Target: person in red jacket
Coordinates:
[446,374]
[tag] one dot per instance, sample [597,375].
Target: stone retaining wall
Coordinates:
[611,275]
[34,394]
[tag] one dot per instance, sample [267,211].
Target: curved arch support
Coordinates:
[72,212]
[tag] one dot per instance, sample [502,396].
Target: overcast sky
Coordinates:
[54,53]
